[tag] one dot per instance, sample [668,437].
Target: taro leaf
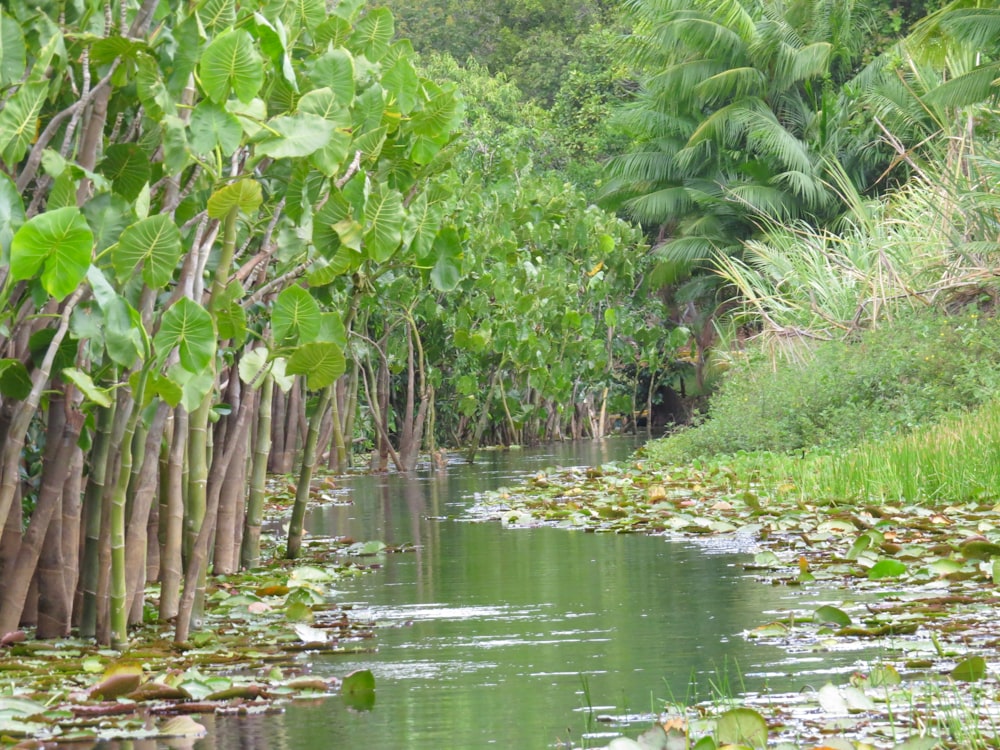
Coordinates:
[19,120]
[296,316]
[127,166]
[11,215]
[298,135]
[15,382]
[213,126]
[886,568]
[86,385]
[742,726]
[321,362]
[188,327]
[373,33]
[231,63]
[12,51]
[384,218]
[244,194]
[154,245]
[447,271]
[182,726]
[251,365]
[57,243]
[972,669]
[358,690]
[833,615]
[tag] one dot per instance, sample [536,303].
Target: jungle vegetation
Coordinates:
[266,236]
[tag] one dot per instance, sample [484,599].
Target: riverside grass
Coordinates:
[955,460]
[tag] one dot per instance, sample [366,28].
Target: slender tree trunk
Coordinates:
[484,417]
[93,502]
[136,535]
[59,455]
[338,450]
[250,552]
[352,409]
[52,615]
[227,532]
[278,436]
[172,519]
[72,507]
[302,490]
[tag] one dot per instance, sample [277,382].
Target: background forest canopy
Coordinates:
[241,237]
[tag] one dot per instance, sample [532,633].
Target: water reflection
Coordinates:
[519,638]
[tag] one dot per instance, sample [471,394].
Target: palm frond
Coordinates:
[975,86]
[764,200]
[733,83]
[661,205]
[677,81]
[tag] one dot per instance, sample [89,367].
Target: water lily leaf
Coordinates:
[770,630]
[831,701]
[119,680]
[830,614]
[856,699]
[882,675]
[919,743]
[980,549]
[358,690]
[309,634]
[768,559]
[705,743]
[157,691]
[972,669]
[182,726]
[742,726]
[309,573]
[862,543]
[886,568]
[14,707]
[944,566]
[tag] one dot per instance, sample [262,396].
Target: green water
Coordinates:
[529,638]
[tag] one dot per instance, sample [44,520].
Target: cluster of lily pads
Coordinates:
[248,658]
[919,583]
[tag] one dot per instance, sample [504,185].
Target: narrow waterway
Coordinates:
[529,638]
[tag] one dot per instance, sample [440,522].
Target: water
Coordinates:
[531,637]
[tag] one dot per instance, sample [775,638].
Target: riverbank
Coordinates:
[918,582]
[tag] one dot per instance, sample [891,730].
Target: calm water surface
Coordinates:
[522,638]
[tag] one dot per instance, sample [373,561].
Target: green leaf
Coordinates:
[15,382]
[231,63]
[886,568]
[440,114]
[447,271]
[194,386]
[742,726]
[19,121]
[321,362]
[12,51]
[244,194]
[251,365]
[216,14]
[383,223]
[211,127]
[295,135]
[358,690]
[86,386]
[401,81]
[187,327]
[334,69]
[11,215]
[127,166]
[332,329]
[833,615]
[373,34]
[57,243]
[124,336]
[972,669]
[295,316]
[154,245]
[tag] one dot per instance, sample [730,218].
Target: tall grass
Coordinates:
[955,460]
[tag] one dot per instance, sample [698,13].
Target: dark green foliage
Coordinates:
[904,375]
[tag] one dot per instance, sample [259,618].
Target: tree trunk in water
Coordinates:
[189,611]
[53,616]
[136,535]
[278,432]
[484,417]
[93,502]
[172,518]
[302,490]
[72,508]
[250,551]
[58,458]
[227,530]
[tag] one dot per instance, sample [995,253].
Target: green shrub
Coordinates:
[907,373]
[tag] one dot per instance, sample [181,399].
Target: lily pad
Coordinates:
[832,615]
[972,669]
[742,726]
[358,690]
[886,568]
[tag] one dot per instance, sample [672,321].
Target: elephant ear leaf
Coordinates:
[187,327]
[231,64]
[322,362]
[55,246]
[154,245]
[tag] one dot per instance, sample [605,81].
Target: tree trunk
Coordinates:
[172,518]
[250,552]
[484,417]
[302,490]
[93,503]
[59,456]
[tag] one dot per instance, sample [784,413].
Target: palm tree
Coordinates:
[739,115]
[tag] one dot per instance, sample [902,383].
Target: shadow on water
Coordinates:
[523,638]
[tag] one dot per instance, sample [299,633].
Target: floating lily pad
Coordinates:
[828,614]
[886,568]
[742,726]
[358,690]
[972,669]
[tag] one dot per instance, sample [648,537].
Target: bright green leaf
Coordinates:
[321,362]
[231,63]
[244,194]
[56,243]
[187,327]
[152,245]
[295,316]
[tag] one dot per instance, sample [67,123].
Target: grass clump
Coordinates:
[909,373]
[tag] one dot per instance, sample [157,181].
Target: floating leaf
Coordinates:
[182,726]
[119,680]
[886,568]
[833,615]
[358,690]
[831,701]
[972,669]
[742,726]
